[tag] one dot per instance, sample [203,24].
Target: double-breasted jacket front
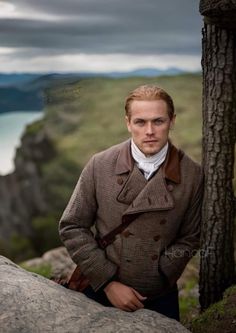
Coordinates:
[166,214]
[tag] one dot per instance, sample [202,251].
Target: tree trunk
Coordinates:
[219,132]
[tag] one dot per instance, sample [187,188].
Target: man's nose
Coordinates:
[149,129]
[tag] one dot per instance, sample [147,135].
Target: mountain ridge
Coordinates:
[25,91]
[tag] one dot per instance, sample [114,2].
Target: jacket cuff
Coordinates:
[98,282]
[113,278]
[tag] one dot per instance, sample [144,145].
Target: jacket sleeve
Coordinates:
[175,257]
[75,231]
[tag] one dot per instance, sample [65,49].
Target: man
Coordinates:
[148,180]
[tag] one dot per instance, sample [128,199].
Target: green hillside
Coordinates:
[89,116]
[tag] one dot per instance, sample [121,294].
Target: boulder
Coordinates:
[30,303]
[59,261]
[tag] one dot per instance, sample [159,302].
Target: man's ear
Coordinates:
[127,120]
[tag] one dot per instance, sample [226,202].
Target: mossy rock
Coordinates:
[219,317]
[34,127]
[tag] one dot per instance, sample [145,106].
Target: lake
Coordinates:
[12,126]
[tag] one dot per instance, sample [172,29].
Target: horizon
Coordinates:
[181,71]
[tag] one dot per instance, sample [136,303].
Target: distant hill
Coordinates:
[25,92]
[147,72]
[13,99]
[9,80]
[19,79]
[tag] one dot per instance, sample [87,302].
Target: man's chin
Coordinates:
[150,152]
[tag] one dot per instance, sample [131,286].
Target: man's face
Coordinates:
[149,125]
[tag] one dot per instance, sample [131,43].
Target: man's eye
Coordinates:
[139,122]
[159,121]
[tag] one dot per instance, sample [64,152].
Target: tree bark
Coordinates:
[219,133]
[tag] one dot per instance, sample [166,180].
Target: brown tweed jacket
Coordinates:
[163,236]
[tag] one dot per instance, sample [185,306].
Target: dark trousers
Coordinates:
[167,305]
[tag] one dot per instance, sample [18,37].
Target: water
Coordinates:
[12,126]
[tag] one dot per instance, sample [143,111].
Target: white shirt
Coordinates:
[148,164]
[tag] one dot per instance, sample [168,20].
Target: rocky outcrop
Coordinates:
[57,259]
[21,194]
[30,303]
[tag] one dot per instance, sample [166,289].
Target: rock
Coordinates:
[58,259]
[30,303]
[21,192]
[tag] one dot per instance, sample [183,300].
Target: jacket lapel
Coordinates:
[135,183]
[142,195]
[154,196]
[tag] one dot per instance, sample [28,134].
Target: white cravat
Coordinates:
[148,164]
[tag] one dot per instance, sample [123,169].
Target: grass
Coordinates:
[189,307]
[188,300]
[43,270]
[97,118]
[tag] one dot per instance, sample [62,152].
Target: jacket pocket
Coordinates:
[139,266]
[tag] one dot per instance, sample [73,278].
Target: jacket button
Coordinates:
[154,257]
[163,221]
[120,181]
[126,233]
[170,187]
[156,238]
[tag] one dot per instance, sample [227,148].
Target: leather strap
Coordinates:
[110,237]
[78,281]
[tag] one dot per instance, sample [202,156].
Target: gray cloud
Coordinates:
[106,26]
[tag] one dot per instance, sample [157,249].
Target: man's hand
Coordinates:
[124,297]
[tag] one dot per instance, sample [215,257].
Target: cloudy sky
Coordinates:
[99,35]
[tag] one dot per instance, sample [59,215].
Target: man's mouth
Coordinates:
[150,141]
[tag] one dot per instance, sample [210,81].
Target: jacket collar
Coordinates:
[171,166]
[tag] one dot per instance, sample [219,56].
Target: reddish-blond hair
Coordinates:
[149,93]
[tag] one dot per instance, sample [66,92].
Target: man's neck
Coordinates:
[148,164]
